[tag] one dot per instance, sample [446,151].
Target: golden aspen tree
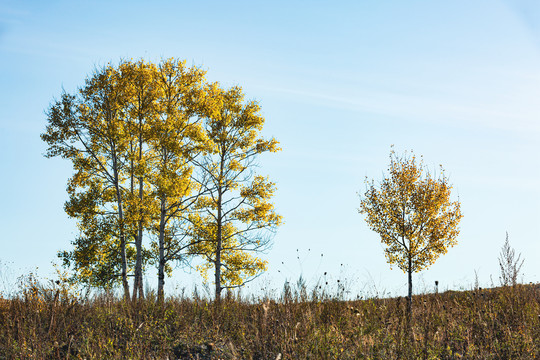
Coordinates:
[139,82]
[235,219]
[176,137]
[88,129]
[103,130]
[412,212]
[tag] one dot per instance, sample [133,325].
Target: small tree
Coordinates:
[412,212]
[509,264]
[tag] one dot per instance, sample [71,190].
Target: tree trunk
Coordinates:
[161,265]
[125,283]
[218,249]
[218,263]
[219,240]
[138,286]
[409,297]
[123,257]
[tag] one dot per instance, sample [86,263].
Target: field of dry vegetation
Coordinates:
[49,323]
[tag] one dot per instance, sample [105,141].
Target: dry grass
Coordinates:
[500,323]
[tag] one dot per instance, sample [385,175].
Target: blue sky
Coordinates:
[339,82]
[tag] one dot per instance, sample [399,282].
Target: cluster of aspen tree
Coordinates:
[163,166]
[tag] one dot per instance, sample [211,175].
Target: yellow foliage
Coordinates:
[412,212]
[231,219]
[154,146]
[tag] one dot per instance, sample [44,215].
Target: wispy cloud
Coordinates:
[512,113]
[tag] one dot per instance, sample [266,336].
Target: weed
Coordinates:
[47,322]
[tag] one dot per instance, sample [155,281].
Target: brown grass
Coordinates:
[500,323]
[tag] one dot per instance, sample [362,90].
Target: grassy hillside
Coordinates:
[499,323]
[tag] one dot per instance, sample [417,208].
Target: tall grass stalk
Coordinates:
[49,322]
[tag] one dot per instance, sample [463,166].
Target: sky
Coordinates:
[339,82]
